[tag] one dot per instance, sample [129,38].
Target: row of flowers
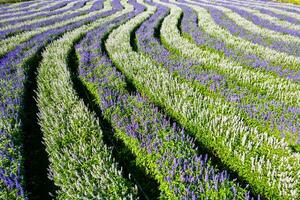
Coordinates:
[214,123]
[19,8]
[275,117]
[41,22]
[80,163]
[14,67]
[91,11]
[274,48]
[52,9]
[162,148]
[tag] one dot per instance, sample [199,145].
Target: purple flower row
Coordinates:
[265,10]
[282,120]
[262,22]
[225,22]
[267,4]
[30,11]
[164,148]
[280,117]
[47,22]
[21,6]
[238,55]
[43,14]
[7,7]
[12,77]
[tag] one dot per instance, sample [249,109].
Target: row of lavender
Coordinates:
[276,116]
[279,118]
[81,164]
[163,149]
[199,86]
[259,106]
[125,98]
[268,49]
[15,64]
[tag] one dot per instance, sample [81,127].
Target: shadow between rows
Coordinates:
[147,186]
[36,163]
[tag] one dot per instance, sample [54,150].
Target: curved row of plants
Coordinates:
[163,149]
[15,66]
[274,117]
[29,25]
[205,117]
[225,72]
[23,7]
[80,163]
[12,41]
[267,113]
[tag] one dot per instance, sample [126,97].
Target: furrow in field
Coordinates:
[35,163]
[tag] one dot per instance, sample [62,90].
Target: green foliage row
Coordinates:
[254,155]
[80,163]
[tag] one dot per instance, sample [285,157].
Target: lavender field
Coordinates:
[150,99]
